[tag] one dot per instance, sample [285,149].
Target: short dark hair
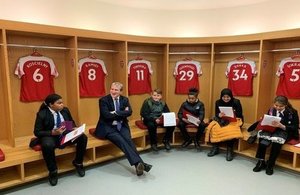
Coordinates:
[193,91]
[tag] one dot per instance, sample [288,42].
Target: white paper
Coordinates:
[193,120]
[228,111]
[74,134]
[169,119]
[297,145]
[268,119]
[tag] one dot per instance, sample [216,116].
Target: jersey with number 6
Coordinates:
[186,75]
[92,74]
[36,73]
[139,77]
[289,78]
[240,76]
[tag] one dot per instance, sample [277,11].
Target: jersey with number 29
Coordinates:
[92,74]
[139,77]
[186,74]
[289,78]
[36,73]
[240,76]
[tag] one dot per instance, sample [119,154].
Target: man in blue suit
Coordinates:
[113,125]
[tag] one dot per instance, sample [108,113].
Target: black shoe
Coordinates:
[229,154]
[167,145]
[269,171]
[139,168]
[52,178]
[147,167]
[214,151]
[197,144]
[186,143]
[154,147]
[261,164]
[79,168]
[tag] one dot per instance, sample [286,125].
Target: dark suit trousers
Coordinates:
[152,129]
[123,140]
[274,153]
[48,149]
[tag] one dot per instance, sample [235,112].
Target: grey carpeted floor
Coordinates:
[181,172]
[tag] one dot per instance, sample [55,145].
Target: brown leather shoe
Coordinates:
[139,168]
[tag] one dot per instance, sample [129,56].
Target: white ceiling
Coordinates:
[181,4]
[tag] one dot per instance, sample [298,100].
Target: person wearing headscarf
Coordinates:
[226,100]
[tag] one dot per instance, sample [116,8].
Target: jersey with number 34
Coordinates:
[36,73]
[289,78]
[186,75]
[240,75]
[92,74]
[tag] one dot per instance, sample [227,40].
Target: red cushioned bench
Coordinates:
[2,156]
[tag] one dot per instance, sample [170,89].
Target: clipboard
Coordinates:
[72,135]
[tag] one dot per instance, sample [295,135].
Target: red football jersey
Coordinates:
[289,74]
[240,76]
[186,75]
[36,73]
[139,77]
[92,74]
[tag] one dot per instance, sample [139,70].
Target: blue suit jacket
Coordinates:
[106,106]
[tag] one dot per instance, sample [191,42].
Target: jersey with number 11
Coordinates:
[139,77]
[186,74]
[240,75]
[36,73]
[289,78]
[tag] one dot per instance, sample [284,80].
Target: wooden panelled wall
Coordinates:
[65,46]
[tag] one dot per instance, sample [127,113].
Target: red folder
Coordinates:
[230,119]
[2,156]
[265,127]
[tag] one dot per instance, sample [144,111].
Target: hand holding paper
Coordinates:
[193,120]
[228,111]
[73,134]
[268,120]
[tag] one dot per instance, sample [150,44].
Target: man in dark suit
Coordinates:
[49,129]
[113,125]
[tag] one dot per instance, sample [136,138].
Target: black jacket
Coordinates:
[196,109]
[44,122]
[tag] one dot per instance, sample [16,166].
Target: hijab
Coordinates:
[228,92]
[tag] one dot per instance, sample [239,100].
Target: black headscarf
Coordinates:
[228,92]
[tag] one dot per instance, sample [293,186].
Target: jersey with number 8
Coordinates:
[36,73]
[289,78]
[240,75]
[186,74]
[92,74]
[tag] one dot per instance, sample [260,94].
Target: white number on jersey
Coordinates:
[295,75]
[238,76]
[186,75]
[37,77]
[140,75]
[92,74]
